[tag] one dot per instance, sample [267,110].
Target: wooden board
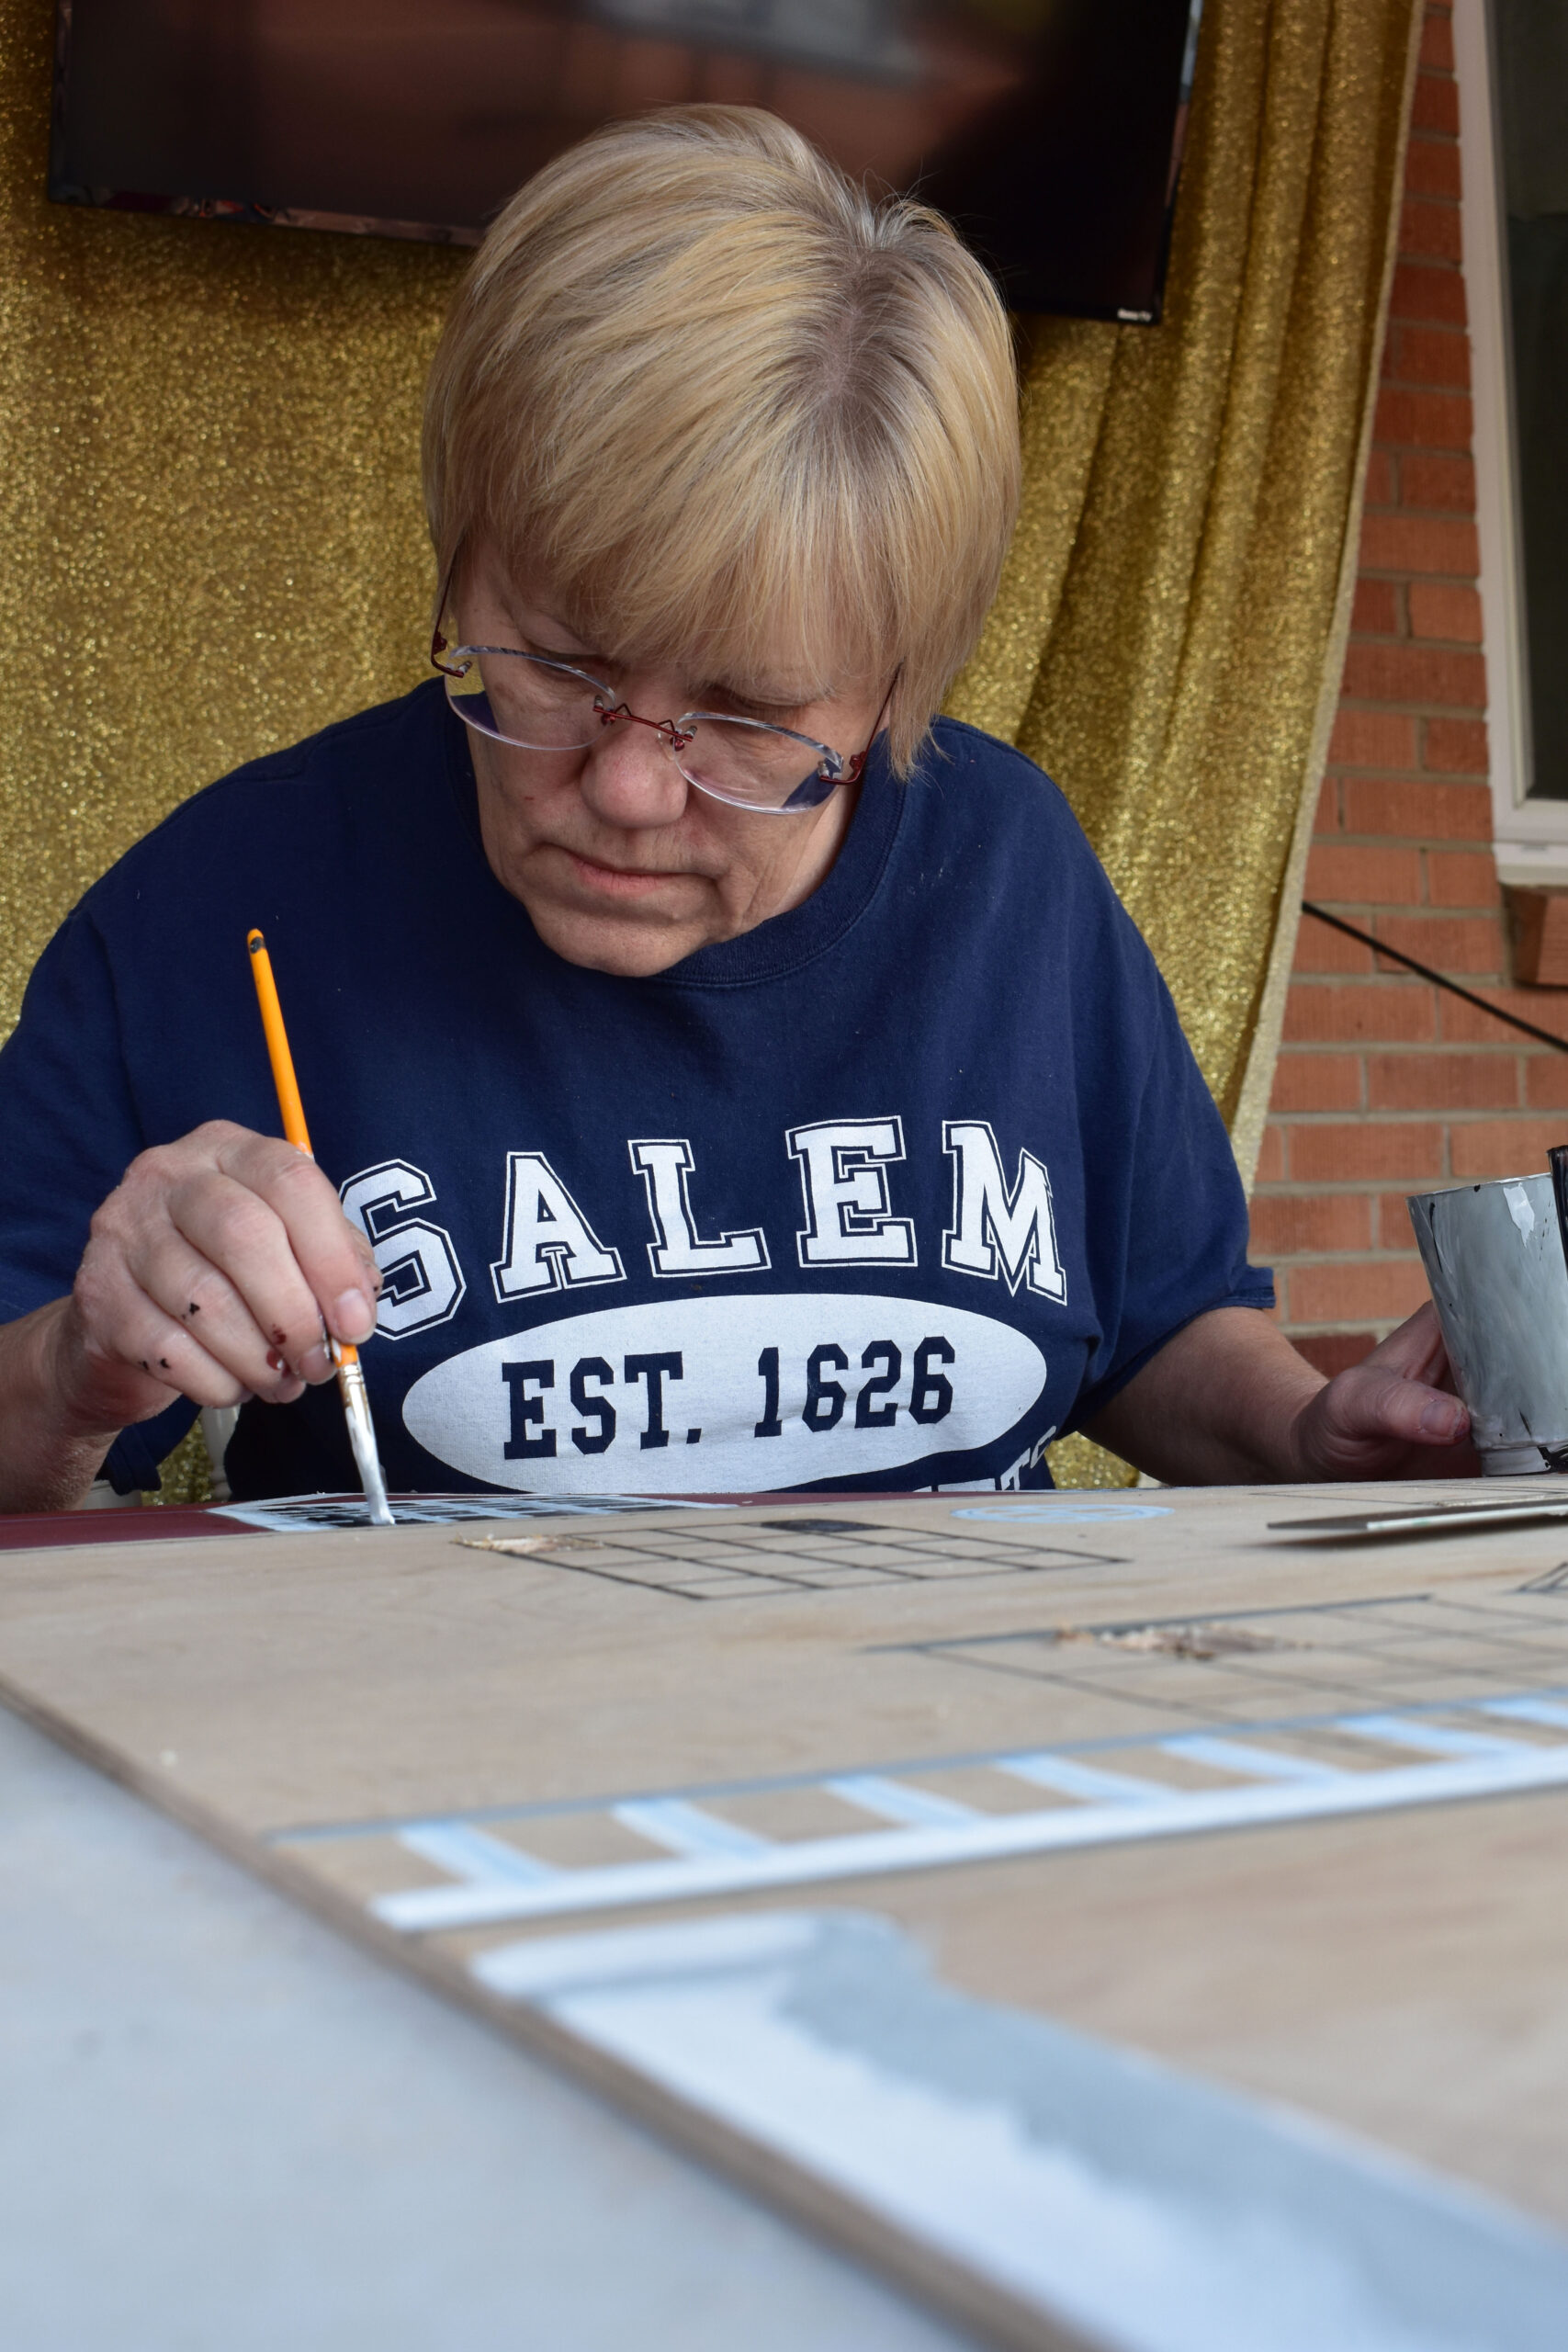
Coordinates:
[1292,1818]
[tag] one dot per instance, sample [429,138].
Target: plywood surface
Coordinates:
[1294,1816]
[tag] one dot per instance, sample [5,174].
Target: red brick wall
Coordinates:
[1385,1083]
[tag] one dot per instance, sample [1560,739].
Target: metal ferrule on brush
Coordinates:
[361,1433]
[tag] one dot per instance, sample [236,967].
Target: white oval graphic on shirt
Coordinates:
[732,1395]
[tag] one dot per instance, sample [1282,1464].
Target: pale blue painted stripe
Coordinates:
[1529,1711]
[1427,1738]
[1250,1763]
[1118,2200]
[898,1801]
[1160,1813]
[472,1855]
[1071,1778]
[685,1828]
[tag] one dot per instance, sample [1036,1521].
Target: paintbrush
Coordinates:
[350,1377]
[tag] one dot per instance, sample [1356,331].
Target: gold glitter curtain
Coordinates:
[211,533]
[212,537]
[1168,633]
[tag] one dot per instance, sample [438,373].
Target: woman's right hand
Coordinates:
[210,1273]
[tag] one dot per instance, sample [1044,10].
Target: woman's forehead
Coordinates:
[764,656]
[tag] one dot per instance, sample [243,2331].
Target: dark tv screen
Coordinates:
[1050,130]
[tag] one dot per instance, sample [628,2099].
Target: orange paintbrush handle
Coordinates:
[290,1108]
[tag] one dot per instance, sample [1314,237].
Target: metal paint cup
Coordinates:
[1495,1258]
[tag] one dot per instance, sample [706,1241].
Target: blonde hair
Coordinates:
[736,409]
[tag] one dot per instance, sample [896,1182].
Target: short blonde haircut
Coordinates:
[739,411]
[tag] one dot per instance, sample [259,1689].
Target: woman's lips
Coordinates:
[616,882]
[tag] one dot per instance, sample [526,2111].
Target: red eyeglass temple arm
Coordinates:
[853,773]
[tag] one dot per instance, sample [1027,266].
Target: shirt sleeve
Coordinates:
[1171,1237]
[68,1130]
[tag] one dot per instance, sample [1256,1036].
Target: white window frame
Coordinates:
[1529,836]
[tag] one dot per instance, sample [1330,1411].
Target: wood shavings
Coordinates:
[520,1546]
[1173,1641]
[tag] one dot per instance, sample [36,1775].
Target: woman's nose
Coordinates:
[630,776]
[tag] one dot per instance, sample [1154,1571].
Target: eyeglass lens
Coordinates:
[541,706]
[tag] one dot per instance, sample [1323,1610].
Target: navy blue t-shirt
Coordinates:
[886,1193]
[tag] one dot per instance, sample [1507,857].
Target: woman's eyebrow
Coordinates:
[761,698]
[540,630]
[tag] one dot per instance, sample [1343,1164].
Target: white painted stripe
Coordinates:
[898,1801]
[1251,1763]
[686,1828]
[811,1861]
[1071,1778]
[1429,1739]
[472,1855]
[546,1964]
[1529,1711]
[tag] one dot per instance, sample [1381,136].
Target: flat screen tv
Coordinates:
[1050,130]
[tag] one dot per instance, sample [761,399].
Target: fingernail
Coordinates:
[354,1317]
[275,1362]
[1443,1419]
[315,1363]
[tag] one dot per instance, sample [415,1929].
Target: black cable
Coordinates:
[1397,955]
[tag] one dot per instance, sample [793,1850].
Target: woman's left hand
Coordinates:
[1393,1415]
[1228,1399]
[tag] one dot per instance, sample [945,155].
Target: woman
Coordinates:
[727,1078]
